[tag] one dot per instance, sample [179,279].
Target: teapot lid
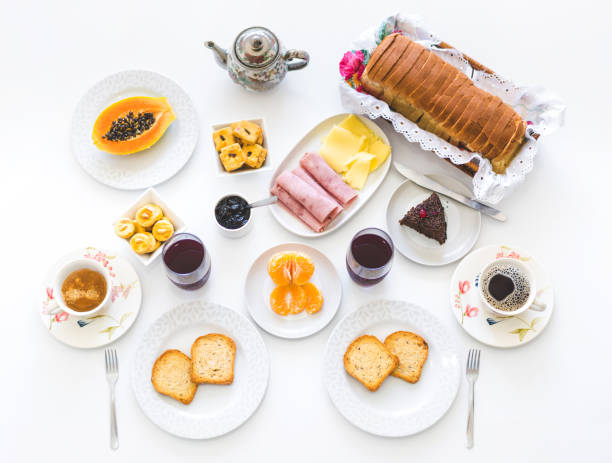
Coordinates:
[256,47]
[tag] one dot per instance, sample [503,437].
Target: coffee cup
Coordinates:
[516,302]
[58,304]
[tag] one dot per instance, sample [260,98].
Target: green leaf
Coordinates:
[534,321]
[517,331]
[124,317]
[93,317]
[108,330]
[522,334]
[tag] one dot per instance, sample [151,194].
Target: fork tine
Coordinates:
[106,360]
[116,360]
[469,360]
[478,360]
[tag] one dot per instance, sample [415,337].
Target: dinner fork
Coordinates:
[471,374]
[112,374]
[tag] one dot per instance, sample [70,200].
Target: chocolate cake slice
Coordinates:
[427,218]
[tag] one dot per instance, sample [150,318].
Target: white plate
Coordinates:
[113,321]
[490,328]
[146,168]
[462,224]
[259,285]
[267,164]
[215,409]
[311,142]
[397,408]
[152,196]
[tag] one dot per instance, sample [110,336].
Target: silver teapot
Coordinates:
[257,60]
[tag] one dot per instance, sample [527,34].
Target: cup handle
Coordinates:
[53,308]
[301,59]
[538,307]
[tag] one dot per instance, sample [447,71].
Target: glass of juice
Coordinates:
[370,256]
[187,261]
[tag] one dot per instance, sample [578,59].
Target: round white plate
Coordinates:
[485,326]
[311,142]
[462,224]
[148,167]
[107,325]
[397,408]
[259,285]
[215,409]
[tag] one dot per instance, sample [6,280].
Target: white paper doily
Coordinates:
[542,110]
[151,166]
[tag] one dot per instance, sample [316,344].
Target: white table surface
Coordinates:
[547,401]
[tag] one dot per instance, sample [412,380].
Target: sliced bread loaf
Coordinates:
[212,359]
[171,376]
[369,361]
[412,351]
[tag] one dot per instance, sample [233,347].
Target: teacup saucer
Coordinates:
[110,323]
[479,322]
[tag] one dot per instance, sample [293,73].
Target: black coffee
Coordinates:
[505,287]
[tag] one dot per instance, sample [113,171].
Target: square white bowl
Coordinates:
[267,165]
[152,196]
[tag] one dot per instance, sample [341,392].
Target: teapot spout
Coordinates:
[220,53]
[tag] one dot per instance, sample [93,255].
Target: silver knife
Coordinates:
[431,184]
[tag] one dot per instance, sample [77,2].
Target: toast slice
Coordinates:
[368,361]
[212,359]
[412,351]
[171,376]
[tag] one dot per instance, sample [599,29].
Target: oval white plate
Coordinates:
[259,285]
[148,167]
[462,224]
[311,142]
[485,326]
[113,321]
[397,408]
[215,409]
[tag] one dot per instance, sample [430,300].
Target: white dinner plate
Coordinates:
[485,326]
[259,285]
[215,409]
[145,168]
[462,224]
[110,323]
[397,408]
[311,142]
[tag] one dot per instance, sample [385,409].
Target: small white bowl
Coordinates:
[267,165]
[151,196]
[234,232]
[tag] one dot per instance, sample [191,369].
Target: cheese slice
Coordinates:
[374,144]
[358,168]
[339,146]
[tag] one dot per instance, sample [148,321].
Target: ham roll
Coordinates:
[298,171]
[316,166]
[318,205]
[295,208]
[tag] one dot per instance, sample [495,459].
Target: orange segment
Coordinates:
[314,298]
[303,268]
[288,299]
[290,267]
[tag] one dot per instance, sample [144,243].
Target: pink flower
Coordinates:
[464,286]
[471,311]
[50,293]
[352,63]
[115,292]
[514,255]
[499,255]
[61,317]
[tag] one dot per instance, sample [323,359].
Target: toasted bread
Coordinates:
[412,351]
[171,376]
[368,361]
[212,359]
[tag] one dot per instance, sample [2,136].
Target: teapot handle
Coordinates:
[302,58]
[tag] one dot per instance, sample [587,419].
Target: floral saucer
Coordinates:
[478,321]
[106,326]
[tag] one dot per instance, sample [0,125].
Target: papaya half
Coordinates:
[132,124]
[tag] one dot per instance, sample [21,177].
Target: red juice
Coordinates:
[369,257]
[187,262]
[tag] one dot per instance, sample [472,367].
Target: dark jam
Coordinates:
[232,212]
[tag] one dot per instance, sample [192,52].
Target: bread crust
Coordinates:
[412,351]
[159,377]
[352,370]
[198,378]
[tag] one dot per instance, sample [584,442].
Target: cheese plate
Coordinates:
[311,142]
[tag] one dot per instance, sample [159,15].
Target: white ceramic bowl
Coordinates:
[152,196]
[234,232]
[221,172]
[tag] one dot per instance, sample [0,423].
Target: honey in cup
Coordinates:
[84,290]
